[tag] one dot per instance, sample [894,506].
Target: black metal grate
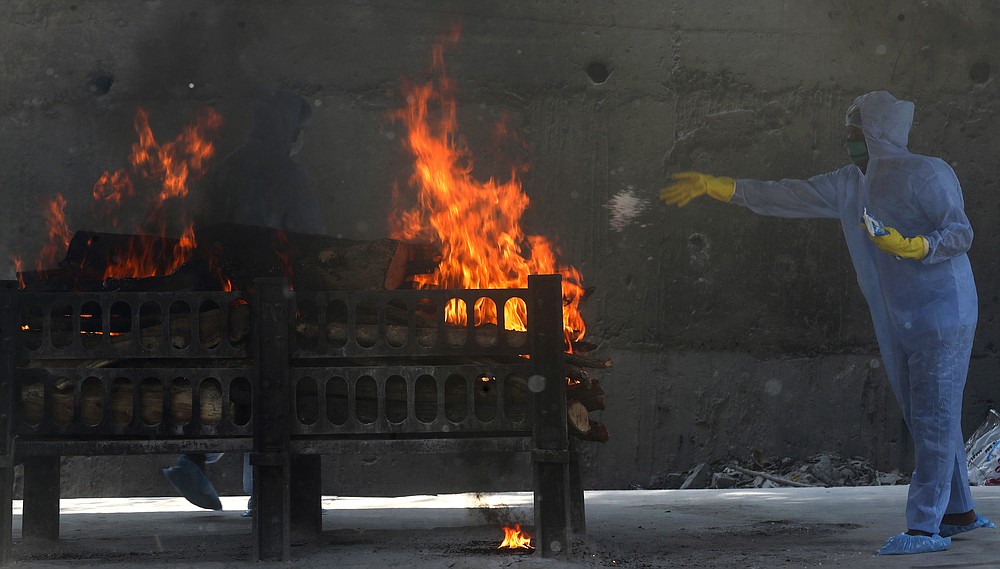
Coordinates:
[141,402]
[406,323]
[371,362]
[133,325]
[410,400]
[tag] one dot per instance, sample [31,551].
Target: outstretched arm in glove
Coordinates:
[690,185]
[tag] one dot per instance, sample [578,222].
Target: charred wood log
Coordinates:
[234,253]
[597,433]
[578,374]
[591,396]
[312,262]
[91,254]
[583,347]
[588,362]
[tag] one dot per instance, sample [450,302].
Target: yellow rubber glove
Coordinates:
[689,185]
[905,247]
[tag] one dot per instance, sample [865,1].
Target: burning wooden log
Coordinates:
[229,256]
[590,395]
[581,361]
[311,262]
[92,255]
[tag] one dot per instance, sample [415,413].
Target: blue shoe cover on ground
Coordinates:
[192,483]
[904,544]
[948,530]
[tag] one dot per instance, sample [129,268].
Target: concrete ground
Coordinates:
[745,529]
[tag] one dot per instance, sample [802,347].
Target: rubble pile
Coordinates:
[821,470]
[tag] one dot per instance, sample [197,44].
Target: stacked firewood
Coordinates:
[585,395]
[231,257]
[120,400]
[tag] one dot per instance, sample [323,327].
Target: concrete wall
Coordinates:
[730,332]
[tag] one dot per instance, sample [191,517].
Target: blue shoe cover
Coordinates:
[948,530]
[192,483]
[904,544]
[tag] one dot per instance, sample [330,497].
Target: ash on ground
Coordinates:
[822,470]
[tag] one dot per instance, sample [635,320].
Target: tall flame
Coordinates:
[477,224]
[172,166]
[166,172]
[59,233]
[177,161]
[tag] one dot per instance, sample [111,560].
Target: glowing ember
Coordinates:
[514,538]
[283,249]
[476,224]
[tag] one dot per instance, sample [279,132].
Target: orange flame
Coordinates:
[514,538]
[172,166]
[110,191]
[215,268]
[175,162]
[142,260]
[18,270]
[168,169]
[478,225]
[59,233]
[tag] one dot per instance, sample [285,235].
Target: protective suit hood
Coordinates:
[278,117]
[885,120]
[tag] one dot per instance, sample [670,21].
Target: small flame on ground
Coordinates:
[514,538]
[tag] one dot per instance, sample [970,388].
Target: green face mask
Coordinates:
[858,149]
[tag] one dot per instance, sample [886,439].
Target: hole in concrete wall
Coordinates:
[979,72]
[696,242]
[101,83]
[598,72]
[901,17]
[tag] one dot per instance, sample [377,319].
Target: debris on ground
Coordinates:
[826,469]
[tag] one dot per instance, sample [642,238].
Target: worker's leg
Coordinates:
[248,485]
[936,383]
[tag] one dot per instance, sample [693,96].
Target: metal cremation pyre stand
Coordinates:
[215,372]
